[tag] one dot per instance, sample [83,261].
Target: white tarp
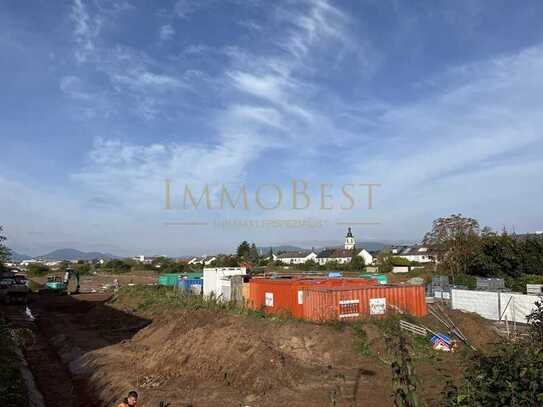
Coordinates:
[519,306]
[493,305]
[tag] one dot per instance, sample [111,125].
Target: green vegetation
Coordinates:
[37,269]
[248,252]
[361,344]
[5,253]
[404,380]
[12,386]
[464,249]
[142,298]
[509,375]
[117,266]
[466,280]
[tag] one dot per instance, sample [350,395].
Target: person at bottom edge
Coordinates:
[131,400]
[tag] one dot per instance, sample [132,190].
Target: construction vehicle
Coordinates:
[59,285]
[13,288]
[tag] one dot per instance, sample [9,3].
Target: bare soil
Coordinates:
[200,357]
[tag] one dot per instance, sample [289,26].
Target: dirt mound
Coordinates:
[212,357]
[233,359]
[478,330]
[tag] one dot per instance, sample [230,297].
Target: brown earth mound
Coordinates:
[210,358]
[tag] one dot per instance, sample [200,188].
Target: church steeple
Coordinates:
[349,240]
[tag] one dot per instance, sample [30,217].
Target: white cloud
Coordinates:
[86,29]
[184,8]
[449,152]
[73,87]
[166,32]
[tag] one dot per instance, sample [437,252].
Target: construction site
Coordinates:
[224,338]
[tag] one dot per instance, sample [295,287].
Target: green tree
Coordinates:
[357,263]
[253,253]
[244,249]
[174,268]
[531,249]
[384,261]
[83,268]
[535,323]
[5,253]
[455,239]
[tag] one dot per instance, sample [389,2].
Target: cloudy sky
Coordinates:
[440,103]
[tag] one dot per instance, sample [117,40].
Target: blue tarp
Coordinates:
[193,286]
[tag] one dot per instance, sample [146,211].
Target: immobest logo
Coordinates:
[299,195]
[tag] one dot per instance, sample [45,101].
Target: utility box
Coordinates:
[490,284]
[440,281]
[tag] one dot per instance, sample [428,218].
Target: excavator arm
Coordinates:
[71,273]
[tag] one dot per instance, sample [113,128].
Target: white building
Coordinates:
[53,263]
[345,255]
[205,260]
[349,240]
[28,262]
[145,259]
[416,253]
[217,280]
[297,257]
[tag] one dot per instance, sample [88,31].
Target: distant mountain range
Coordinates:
[19,256]
[284,248]
[73,254]
[64,254]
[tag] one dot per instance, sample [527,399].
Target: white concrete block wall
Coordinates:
[492,305]
[484,303]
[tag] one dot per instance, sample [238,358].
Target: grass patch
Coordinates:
[12,386]
[390,325]
[361,344]
[337,325]
[143,300]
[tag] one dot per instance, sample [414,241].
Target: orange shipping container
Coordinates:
[287,295]
[332,303]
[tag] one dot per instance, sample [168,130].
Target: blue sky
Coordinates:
[438,102]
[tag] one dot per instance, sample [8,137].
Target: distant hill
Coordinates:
[73,254]
[276,249]
[371,246]
[19,256]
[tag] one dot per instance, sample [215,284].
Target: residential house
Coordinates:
[418,253]
[345,255]
[299,257]
[205,260]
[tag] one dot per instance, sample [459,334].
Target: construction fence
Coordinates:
[497,306]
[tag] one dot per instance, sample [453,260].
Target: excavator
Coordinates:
[59,285]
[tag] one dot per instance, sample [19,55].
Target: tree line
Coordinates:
[462,247]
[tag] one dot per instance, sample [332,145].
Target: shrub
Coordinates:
[510,375]
[37,269]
